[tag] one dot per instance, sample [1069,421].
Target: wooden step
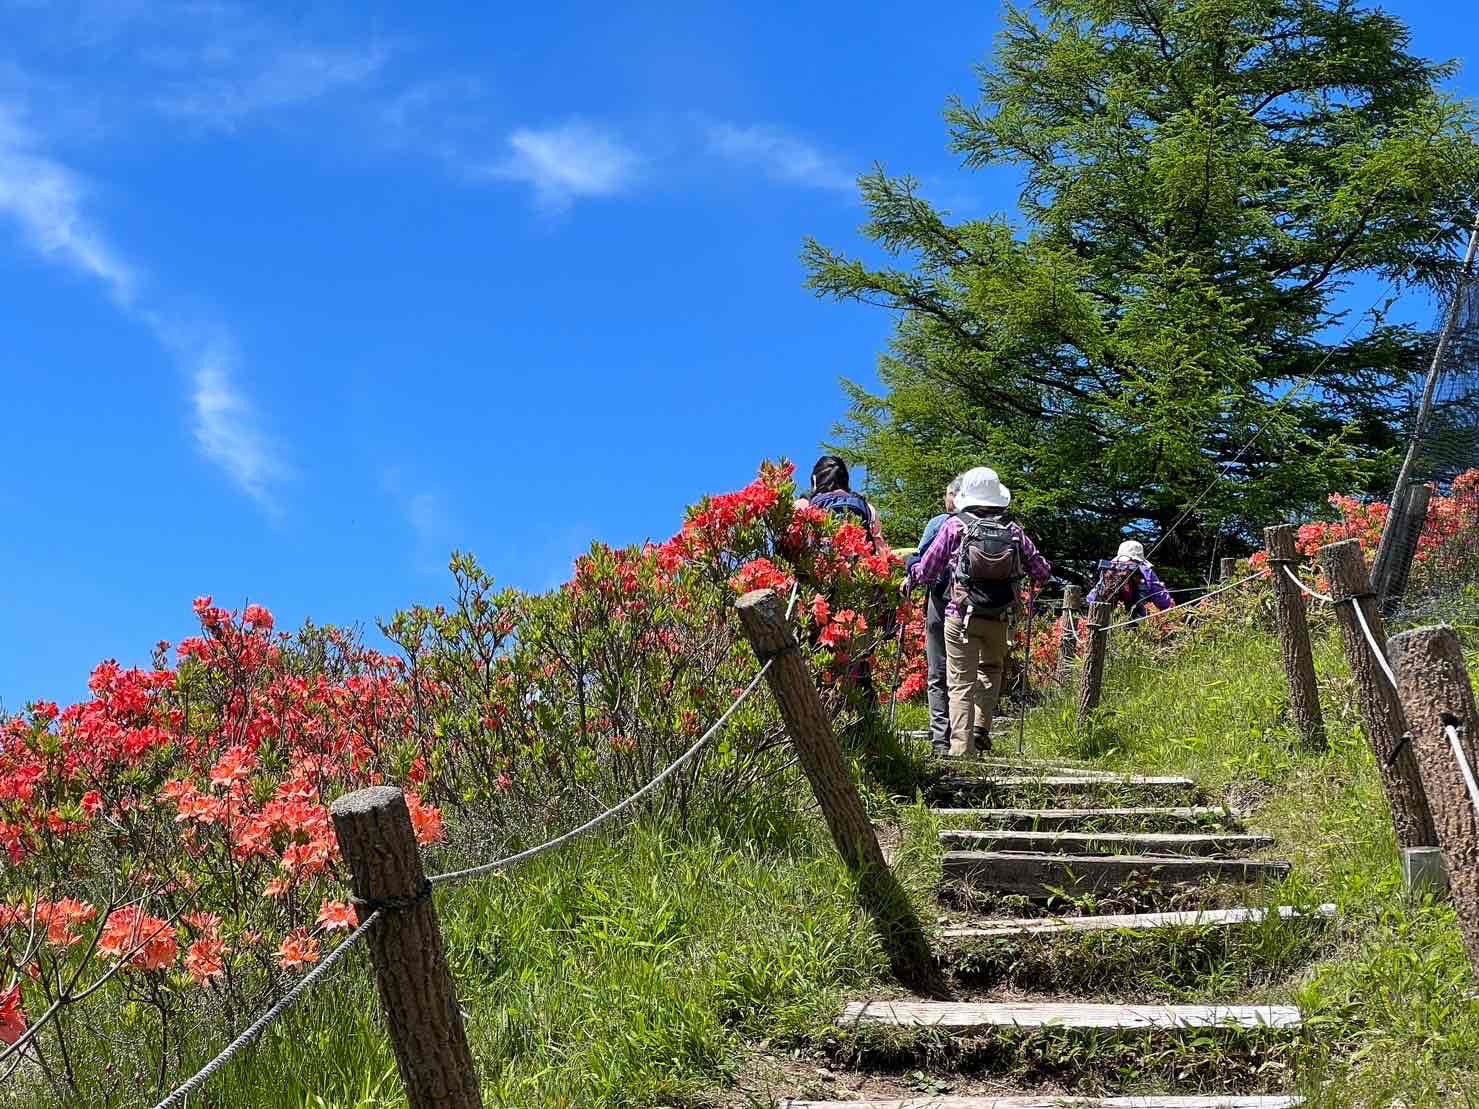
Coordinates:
[1092,843]
[1059,1101]
[1039,875]
[1204,918]
[964,1016]
[958,784]
[993,767]
[1199,816]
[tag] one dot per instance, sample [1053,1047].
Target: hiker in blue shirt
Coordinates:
[934,628]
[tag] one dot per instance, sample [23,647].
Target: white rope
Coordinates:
[1381,658]
[258,1026]
[1188,604]
[1292,576]
[1455,742]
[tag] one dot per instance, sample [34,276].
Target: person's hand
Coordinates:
[904,589]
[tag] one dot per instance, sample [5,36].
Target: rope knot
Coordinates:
[368,905]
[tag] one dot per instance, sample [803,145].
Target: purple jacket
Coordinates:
[1148,587]
[936,561]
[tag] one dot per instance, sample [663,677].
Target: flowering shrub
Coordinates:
[169,839]
[1447,549]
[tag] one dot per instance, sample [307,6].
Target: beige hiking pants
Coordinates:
[975,659]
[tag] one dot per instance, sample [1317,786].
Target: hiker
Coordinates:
[934,627]
[985,555]
[830,490]
[1128,579]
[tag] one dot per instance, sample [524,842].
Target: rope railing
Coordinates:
[180,1095]
[1292,576]
[1189,604]
[1455,742]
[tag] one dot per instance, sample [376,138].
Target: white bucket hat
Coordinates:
[1132,548]
[981,488]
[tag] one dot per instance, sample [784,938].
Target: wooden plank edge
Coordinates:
[1196,918]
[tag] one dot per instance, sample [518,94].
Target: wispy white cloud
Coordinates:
[223,95]
[45,200]
[227,430]
[779,155]
[573,161]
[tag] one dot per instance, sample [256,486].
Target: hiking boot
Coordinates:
[983,743]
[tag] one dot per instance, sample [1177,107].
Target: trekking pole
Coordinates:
[893,699]
[1022,689]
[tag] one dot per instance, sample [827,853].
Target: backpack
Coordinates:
[1119,582]
[844,502]
[988,565]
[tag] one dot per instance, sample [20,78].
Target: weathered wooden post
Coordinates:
[1294,637]
[1073,599]
[820,756]
[1380,709]
[1436,694]
[416,990]
[1392,586]
[1229,568]
[1091,678]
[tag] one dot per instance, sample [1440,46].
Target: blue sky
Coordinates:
[298,298]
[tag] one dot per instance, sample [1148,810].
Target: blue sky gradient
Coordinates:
[298,298]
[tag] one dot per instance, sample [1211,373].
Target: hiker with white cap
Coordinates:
[1128,579]
[985,555]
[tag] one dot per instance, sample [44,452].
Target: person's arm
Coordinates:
[934,561]
[1038,568]
[931,529]
[1155,590]
[875,528]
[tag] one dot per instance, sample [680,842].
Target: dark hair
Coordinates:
[829,475]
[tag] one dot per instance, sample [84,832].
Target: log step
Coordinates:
[1063,785]
[990,767]
[1091,843]
[959,1016]
[1040,875]
[1058,1101]
[1204,918]
[1198,816]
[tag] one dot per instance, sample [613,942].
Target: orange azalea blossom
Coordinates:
[206,959]
[426,820]
[298,949]
[236,764]
[62,917]
[145,942]
[337,916]
[12,1016]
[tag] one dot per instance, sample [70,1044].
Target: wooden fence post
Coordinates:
[820,756]
[1436,694]
[416,990]
[1091,679]
[1294,637]
[1073,599]
[1380,710]
[1403,548]
[1229,568]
